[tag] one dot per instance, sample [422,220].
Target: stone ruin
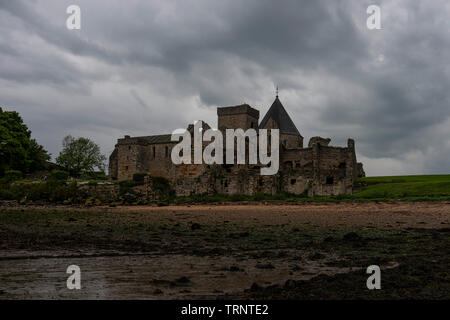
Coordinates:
[317,170]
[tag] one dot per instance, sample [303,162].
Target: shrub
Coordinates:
[12,175]
[197,197]
[161,184]
[126,186]
[59,193]
[127,183]
[100,176]
[260,197]
[7,194]
[52,191]
[139,176]
[238,197]
[59,175]
[94,176]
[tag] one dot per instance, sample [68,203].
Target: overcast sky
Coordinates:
[149,67]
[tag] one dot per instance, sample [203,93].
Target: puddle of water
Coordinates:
[146,276]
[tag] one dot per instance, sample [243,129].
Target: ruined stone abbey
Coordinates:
[318,169]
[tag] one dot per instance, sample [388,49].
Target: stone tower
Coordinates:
[242,116]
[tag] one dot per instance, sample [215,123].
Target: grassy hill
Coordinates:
[403,187]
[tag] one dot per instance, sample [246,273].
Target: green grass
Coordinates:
[426,186]
[411,178]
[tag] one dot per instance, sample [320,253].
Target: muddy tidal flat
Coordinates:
[224,251]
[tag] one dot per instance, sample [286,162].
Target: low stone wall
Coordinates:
[229,180]
[114,192]
[103,191]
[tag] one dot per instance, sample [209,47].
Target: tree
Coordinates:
[17,150]
[80,156]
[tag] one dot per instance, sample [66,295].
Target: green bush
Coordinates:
[52,191]
[59,175]
[238,197]
[128,183]
[139,176]
[126,186]
[94,176]
[12,175]
[260,197]
[161,184]
[7,194]
[196,197]
[100,176]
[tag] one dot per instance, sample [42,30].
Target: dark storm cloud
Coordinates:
[148,67]
[35,23]
[408,93]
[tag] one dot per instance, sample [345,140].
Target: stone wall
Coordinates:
[318,140]
[229,180]
[297,166]
[157,161]
[114,192]
[335,170]
[317,170]
[113,169]
[106,192]
[129,157]
[290,141]
[360,170]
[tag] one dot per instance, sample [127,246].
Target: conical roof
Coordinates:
[281,117]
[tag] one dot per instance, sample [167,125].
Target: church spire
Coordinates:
[277,92]
[280,116]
